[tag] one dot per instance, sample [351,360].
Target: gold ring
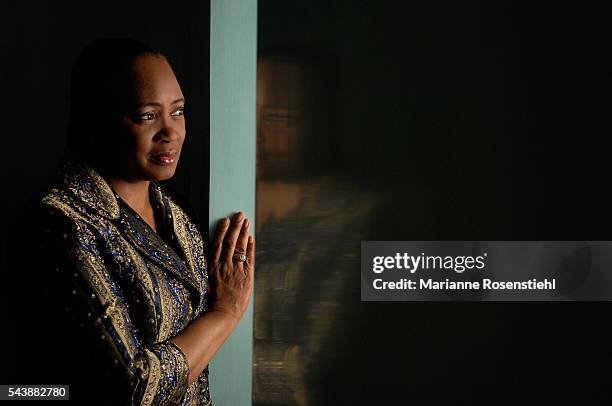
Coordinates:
[240,257]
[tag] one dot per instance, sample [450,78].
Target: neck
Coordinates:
[134,193]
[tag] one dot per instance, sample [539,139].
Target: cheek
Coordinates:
[142,147]
[182,132]
[138,138]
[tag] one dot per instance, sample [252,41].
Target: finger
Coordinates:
[243,238]
[231,237]
[218,242]
[250,262]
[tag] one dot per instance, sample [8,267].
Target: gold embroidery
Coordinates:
[192,244]
[153,382]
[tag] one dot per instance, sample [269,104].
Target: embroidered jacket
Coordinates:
[96,293]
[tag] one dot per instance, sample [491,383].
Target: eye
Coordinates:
[149,115]
[178,112]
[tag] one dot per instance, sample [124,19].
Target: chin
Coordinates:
[161,173]
[164,175]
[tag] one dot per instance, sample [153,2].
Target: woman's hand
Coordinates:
[232,280]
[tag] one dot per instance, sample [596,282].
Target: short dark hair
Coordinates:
[98,75]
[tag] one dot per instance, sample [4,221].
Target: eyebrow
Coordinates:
[181,100]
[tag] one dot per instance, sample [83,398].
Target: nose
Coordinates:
[170,130]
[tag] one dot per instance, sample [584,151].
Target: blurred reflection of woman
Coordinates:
[110,287]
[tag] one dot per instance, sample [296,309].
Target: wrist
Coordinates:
[233,317]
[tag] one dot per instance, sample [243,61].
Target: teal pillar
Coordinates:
[233,66]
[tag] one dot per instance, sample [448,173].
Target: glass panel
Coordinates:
[309,223]
[382,120]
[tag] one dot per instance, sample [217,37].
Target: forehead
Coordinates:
[152,80]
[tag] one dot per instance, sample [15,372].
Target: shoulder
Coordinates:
[33,246]
[44,227]
[57,202]
[42,220]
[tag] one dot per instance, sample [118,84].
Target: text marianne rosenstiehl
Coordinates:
[482,270]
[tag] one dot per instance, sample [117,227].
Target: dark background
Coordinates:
[468,121]
[39,41]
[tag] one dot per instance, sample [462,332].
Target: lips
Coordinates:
[164,158]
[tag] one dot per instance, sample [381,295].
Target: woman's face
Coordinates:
[152,125]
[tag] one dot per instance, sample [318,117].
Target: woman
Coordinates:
[109,281]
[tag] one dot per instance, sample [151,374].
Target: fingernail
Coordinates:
[238,216]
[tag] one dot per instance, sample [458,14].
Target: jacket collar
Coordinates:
[84,182]
[88,186]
